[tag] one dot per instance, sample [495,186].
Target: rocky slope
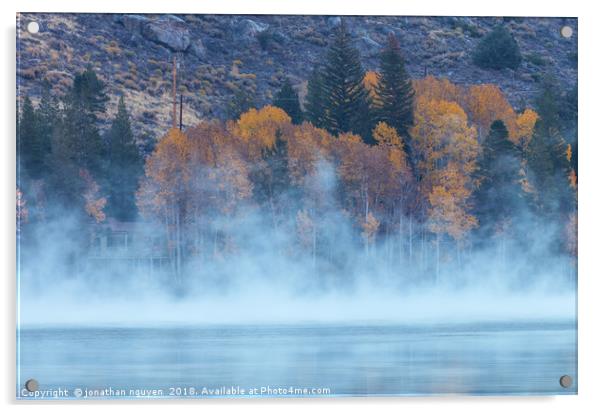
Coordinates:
[219,54]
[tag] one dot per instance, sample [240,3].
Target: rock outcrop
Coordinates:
[247,29]
[169,31]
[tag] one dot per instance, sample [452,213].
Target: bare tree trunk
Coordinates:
[178,245]
[422,249]
[411,246]
[503,251]
[458,254]
[438,258]
[170,240]
[401,236]
[314,242]
[214,242]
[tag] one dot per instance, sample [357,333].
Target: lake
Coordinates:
[297,360]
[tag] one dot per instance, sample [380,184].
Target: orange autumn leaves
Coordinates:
[194,171]
[482,104]
[208,169]
[447,150]
[450,121]
[259,127]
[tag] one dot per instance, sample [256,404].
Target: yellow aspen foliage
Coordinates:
[397,166]
[94,204]
[448,212]
[442,134]
[219,172]
[366,175]
[261,126]
[398,161]
[525,123]
[386,135]
[572,174]
[447,150]
[350,137]
[432,88]
[370,82]
[370,229]
[306,145]
[486,103]
[167,173]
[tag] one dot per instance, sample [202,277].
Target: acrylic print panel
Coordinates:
[295,206]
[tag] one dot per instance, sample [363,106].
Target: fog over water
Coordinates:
[266,279]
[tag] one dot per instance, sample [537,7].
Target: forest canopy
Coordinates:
[421,171]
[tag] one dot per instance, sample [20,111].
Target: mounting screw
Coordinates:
[31,385]
[566,32]
[566,381]
[33,27]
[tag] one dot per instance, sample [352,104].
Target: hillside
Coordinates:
[221,54]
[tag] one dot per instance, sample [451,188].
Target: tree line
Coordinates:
[426,169]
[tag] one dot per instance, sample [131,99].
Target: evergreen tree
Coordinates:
[124,166]
[548,170]
[241,102]
[82,105]
[547,161]
[89,91]
[569,115]
[64,183]
[548,104]
[76,142]
[287,99]
[271,179]
[346,100]
[48,116]
[31,148]
[314,101]
[499,192]
[498,50]
[81,135]
[394,101]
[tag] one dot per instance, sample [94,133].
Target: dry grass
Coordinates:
[113,48]
[56,21]
[139,103]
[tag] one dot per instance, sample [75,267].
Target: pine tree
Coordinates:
[89,90]
[83,104]
[287,99]
[548,170]
[346,100]
[547,161]
[314,103]
[548,104]
[124,166]
[30,141]
[242,101]
[48,117]
[499,192]
[81,134]
[76,144]
[394,101]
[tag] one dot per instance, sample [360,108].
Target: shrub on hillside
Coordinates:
[498,50]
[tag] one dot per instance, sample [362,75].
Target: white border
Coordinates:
[590,273]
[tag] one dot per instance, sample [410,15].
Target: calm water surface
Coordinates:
[343,359]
